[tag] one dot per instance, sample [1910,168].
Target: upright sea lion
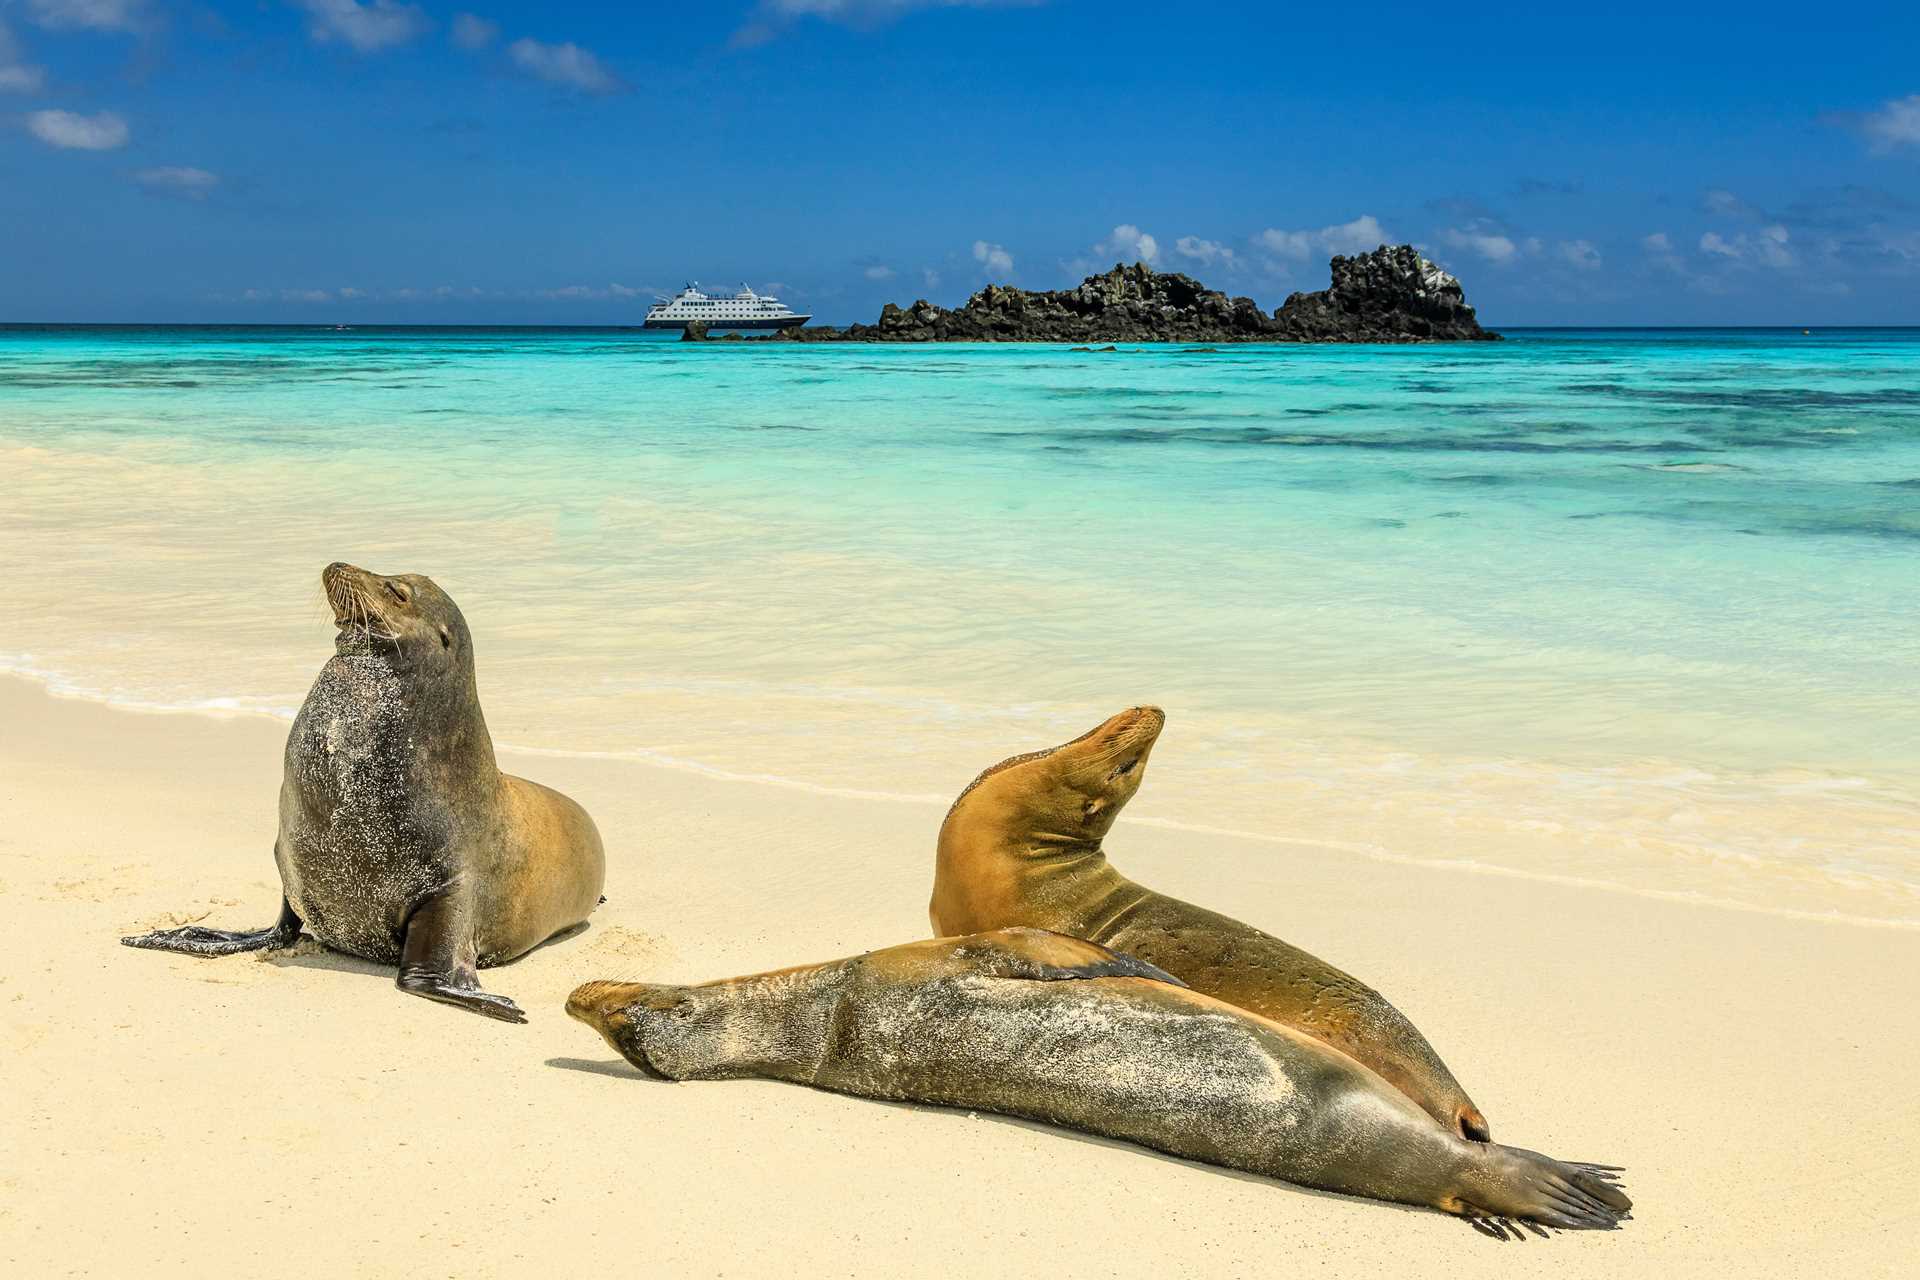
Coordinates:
[1021,846]
[400,839]
[1034,1024]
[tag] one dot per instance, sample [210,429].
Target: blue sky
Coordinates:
[363,160]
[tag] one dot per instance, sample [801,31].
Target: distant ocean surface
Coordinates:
[1636,609]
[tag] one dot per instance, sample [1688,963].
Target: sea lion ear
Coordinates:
[1037,955]
[446,636]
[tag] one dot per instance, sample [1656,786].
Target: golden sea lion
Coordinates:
[1035,1024]
[400,839]
[1021,846]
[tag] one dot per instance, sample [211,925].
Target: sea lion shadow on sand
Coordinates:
[617,1068]
[309,953]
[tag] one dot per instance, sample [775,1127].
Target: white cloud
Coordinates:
[347,295]
[16,76]
[1579,254]
[993,257]
[1362,235]
[178,180]
[879,273]
[1895,123]
[87,15]
[930,277]
[575,292]
[368,28]
[470,31]
[1725,204]
[1661,254]
[1129,242]
[857,10]
[1766,247]
[1206,252]
[305,295]
[563,64]
[1489,244]
[102,132]
[770,16]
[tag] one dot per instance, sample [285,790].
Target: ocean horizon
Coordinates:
[1622,607]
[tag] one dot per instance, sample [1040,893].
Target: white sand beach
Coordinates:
[296,1114]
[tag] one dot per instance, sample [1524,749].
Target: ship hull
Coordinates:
[783,322]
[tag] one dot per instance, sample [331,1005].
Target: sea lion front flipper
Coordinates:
[1040,955]
[192,940]
[436,960]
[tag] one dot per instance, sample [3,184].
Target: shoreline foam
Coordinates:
[934,801]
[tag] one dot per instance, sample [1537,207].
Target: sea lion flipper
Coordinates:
[1039,955]
[436,960]
[193,940]
[1513,1183]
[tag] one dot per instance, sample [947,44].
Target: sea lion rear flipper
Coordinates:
[1509,1185]
[193,940]
[436,960]
[1038,955]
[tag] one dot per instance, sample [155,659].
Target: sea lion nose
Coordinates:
[586,1000]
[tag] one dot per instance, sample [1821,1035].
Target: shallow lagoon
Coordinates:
[1632,608]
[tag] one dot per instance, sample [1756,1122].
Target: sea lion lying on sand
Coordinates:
[1035,1024]
[400,839]
[1021,846]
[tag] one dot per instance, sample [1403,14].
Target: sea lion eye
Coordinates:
[446,637]
[400,591]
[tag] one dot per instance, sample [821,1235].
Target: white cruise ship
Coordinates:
[744,310]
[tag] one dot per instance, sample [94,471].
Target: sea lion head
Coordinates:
[629,1014]
[729,1028]
[406,619]
[1065,797]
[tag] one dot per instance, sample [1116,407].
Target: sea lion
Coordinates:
[1029,1023]
[400,839]
[1021,846]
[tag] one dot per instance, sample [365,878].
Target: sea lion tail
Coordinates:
[1507,1188]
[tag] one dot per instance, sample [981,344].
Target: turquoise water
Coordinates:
[1567,598]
